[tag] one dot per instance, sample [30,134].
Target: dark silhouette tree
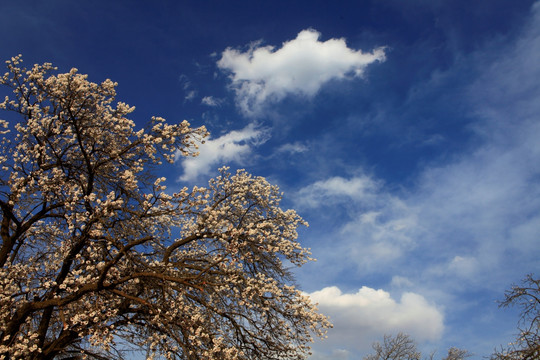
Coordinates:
[527,344]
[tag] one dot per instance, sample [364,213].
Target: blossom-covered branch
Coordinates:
[97,259]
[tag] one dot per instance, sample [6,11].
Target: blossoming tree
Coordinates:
[97,259]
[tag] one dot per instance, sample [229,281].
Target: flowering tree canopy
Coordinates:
[97,259]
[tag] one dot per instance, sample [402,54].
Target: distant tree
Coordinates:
[403,347]
[455,353]
[399,347]
[97,259]
[527,344]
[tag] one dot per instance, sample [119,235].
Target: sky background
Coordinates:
[407,133]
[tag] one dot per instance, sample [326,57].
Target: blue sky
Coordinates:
[406,133]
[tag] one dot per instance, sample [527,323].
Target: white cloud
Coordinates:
[301,66]
[235,147]
[365,316]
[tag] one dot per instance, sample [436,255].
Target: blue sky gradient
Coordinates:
[406,134]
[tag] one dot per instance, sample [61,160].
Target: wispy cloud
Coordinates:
[377,227]
[292,148]
[189,92]
[190,95]
[211,101]
[301,66]
[233,147]
[484,205]
[380,237]
[336,189]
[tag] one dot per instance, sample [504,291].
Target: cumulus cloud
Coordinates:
[235,146]
[301,66]
[365,316]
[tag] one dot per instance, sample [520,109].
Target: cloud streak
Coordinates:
[211,101]
[337,188]
[264,74]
